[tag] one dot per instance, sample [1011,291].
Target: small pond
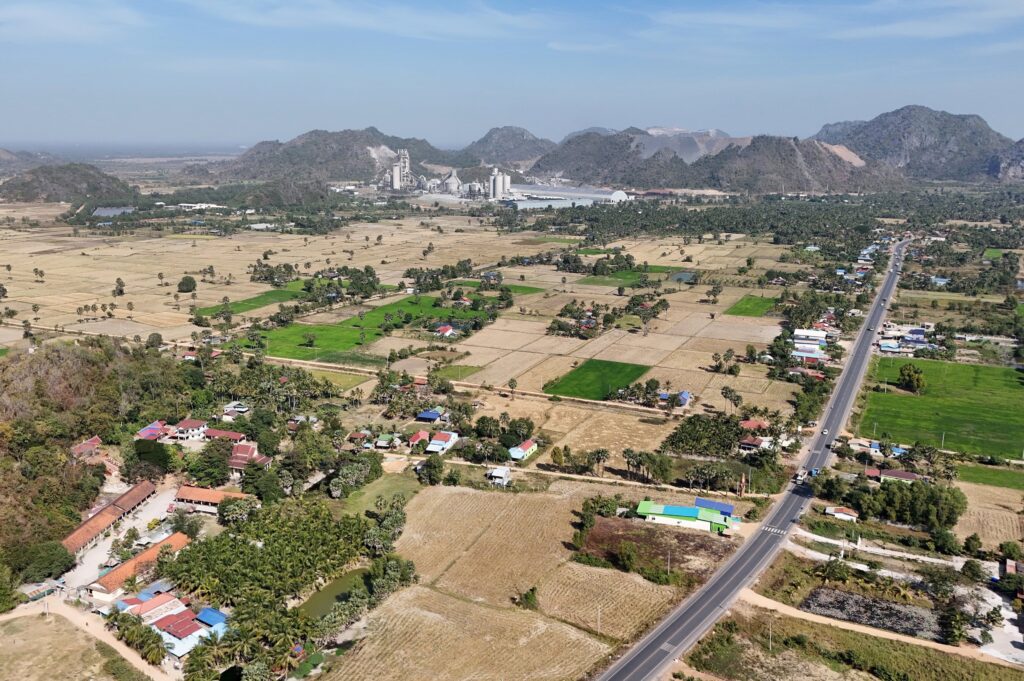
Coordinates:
[320,603]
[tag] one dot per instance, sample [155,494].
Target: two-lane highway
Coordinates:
[685,625]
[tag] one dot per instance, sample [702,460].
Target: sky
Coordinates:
[233,72]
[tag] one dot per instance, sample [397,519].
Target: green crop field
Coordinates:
[340,379]
[977,407]
[4,351]
[556,239]
[595,251]
[595,379]
[992,254]
[333,340]
[457,372]
[751,306]
[992,475]
[626,277]
[516,289]
[291,291]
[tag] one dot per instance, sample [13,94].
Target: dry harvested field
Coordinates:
[80,270]
[992,513]
[420,634]
[475,551]
[678,348]
[603,601]
[30,642]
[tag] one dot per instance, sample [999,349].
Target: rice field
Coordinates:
[595,379]
[751,306]
[291,341]
[967,407]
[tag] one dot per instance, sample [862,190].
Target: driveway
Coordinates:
[88,567]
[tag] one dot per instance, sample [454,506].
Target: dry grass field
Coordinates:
[992,513]
[603,601]
[80,270]
[29,645]
[475,551]
[415,635]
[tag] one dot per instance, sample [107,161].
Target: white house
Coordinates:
[442,441]
[842,513]
[190,429]
[500,476]
[810,336]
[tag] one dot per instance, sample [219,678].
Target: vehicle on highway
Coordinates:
[801,476]
[825,432]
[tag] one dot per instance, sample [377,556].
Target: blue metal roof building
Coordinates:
[720,506]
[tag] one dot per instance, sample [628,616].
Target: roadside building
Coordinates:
[442,441]
[501,476]
[692,517]
[524,450]
[842,513]
[418,437]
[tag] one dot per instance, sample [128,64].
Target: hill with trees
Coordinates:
[343,155]
[508,144]
[68,182]
[923,143]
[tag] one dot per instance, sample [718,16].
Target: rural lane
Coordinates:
[685,625]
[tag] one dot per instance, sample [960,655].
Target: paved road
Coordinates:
[691,620]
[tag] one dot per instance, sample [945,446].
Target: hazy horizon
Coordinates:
[199,75]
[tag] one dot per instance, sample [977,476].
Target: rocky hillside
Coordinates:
[323,155]
[910,144]
[69,182]
[759,164]
[508,144]
[1008,166]
[923,143]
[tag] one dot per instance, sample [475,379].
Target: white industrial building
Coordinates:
[499,185]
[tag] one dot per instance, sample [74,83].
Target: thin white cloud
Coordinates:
[1007,47]
[761,17]
[42,21]
[581,47]
[881,19]
[432,22]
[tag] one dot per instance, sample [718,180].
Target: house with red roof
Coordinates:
[442,441]
[754,424]
[244,454]
[446,331]
[216,433]
[88,448]
[418,437]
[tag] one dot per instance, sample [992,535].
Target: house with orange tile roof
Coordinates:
[110,586]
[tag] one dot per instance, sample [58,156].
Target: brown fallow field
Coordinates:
[475,551]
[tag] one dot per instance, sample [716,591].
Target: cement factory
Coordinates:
[498,187]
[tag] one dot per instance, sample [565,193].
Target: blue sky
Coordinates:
[238,71]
